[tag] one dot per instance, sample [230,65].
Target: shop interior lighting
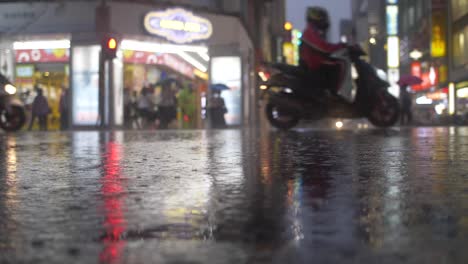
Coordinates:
[439,108]
[42,44]
[201,75]
[128,44]
[462,93]
[192,61]
[180,50]
[204,56]
[423,100]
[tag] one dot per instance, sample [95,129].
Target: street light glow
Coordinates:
[339,124]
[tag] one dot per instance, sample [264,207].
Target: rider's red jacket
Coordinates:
[315,49]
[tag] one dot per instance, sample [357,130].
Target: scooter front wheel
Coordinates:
[280,117]
[384,110]
[12,120]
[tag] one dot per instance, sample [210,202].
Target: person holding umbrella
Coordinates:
[405,97]
[216,106]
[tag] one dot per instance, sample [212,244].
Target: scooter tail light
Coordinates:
[264,75]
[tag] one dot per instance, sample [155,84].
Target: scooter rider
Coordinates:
[315,51]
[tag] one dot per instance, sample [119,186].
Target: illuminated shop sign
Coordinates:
[393,52]
[288,52]
[42,55]
[438,43]
[24,71]
[392,20]
[178,25]
[429,78]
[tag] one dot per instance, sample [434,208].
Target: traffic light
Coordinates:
[109,48]
[288,27]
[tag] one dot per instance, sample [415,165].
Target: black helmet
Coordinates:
[318,16]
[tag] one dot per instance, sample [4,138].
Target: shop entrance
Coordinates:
[169,84]
[52,79]
[42,67]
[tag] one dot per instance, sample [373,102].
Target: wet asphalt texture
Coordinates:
[235,196]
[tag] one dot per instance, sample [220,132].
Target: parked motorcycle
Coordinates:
[291,96]
[12,112]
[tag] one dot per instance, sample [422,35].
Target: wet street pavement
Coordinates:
[233,196]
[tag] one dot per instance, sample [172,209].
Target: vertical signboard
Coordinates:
[393,43]
[85,85]
[228,71]
[392,20]
[438,39]
[393,52]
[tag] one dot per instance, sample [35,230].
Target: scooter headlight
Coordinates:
[10,89]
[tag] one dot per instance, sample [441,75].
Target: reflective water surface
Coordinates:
[398,196]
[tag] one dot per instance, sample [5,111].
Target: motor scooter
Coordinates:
[292,94]
[12,111]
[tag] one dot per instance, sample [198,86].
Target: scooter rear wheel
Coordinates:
[13,120]
[384,110]
[281,118]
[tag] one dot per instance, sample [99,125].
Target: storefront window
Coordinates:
[459,47]
[462,101]
[227,71]
[419,8]
[411,16]
[43,66]
[85,85]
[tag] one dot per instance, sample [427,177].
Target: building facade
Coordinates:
[59,45]
[417,37]
[369,29]
[458,60]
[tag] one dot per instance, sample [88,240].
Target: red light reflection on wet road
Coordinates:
[114,195]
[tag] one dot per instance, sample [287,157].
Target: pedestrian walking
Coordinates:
[145,107]
[406,102]
[127,100]
[40,109]
[216,110]
[64,109]
[168,104]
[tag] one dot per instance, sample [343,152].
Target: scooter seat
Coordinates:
[297,71]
